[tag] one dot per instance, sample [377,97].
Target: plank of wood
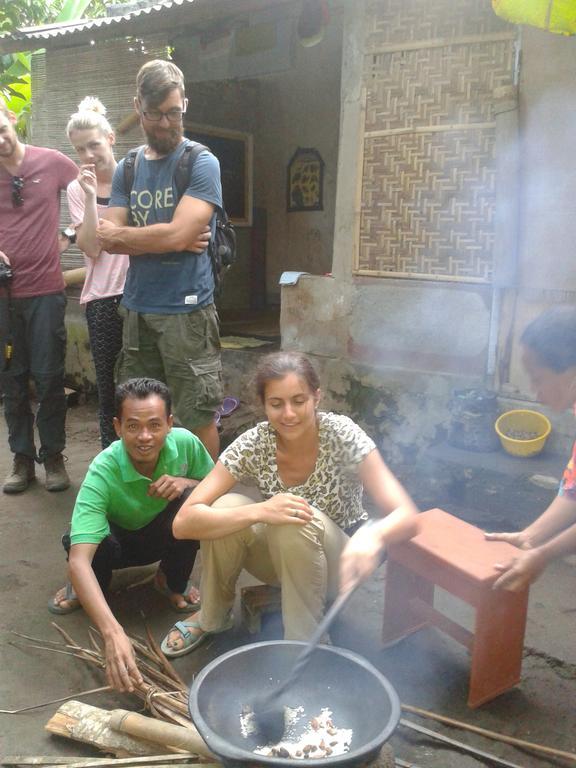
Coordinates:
[90,725]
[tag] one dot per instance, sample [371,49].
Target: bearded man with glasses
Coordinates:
[32,305]
[170,321]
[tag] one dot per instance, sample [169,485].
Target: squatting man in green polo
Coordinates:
[123,517]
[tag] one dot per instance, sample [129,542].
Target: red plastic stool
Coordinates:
[454,555]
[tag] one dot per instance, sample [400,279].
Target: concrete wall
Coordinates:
[300,108]
[283,111]
[233,105]
[547,266]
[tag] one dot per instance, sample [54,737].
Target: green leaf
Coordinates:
[17,69]
[73,10]
[24,59]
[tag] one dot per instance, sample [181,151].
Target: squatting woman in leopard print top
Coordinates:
[309,469]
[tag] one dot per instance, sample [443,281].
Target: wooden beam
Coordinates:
[441,42]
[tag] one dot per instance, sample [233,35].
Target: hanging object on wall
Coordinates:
[553,15]
[312,22]
[305,181]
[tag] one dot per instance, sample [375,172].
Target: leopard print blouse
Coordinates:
[334,487]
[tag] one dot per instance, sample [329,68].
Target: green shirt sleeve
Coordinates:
[89,518]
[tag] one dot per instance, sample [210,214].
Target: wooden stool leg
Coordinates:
[403,586]
[498,645]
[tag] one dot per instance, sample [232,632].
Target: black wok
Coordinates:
[359,696]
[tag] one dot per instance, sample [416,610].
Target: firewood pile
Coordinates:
[163,692]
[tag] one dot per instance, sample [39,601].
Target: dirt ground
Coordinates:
[427,669]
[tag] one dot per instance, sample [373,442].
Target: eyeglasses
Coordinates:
[155,115]
[17,186]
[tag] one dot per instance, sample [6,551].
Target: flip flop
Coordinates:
[167,592]
[190,641]
[226,407]
[69,595]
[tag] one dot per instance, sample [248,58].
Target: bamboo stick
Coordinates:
[459,745]
[441,42]
[47,760]
[441,128]
[103,762]
[490,734]
[55,701]
[125,762]
[163,661]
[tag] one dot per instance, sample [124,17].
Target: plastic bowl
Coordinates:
[510,426]
[358,695]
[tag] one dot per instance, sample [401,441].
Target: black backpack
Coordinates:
[222,247]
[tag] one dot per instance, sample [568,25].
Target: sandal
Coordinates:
[69,596]
[191,641]
[164,589]
[226,407]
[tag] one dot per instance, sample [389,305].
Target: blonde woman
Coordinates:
[92,137]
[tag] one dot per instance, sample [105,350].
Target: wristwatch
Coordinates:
[70,233]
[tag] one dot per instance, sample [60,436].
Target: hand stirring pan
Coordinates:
[268,712]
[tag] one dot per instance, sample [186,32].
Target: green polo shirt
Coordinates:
[114,491]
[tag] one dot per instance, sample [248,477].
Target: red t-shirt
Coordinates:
[29,233]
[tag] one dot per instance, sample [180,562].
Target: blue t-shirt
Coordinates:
[167,283]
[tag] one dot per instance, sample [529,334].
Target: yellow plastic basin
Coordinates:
[513,425]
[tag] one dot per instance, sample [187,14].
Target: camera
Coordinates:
[6,274]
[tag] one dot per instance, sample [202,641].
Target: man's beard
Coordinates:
[166,142]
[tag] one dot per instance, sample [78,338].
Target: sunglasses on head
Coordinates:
[17,186]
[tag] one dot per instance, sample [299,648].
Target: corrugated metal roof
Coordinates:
[29,38]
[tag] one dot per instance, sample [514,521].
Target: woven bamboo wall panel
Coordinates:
[435,86]
[428,204]
[390,21]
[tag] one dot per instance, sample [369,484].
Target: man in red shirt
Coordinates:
[32,307]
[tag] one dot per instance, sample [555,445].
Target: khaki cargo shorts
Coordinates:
[183,351]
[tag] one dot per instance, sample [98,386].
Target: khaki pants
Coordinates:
[303,560]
